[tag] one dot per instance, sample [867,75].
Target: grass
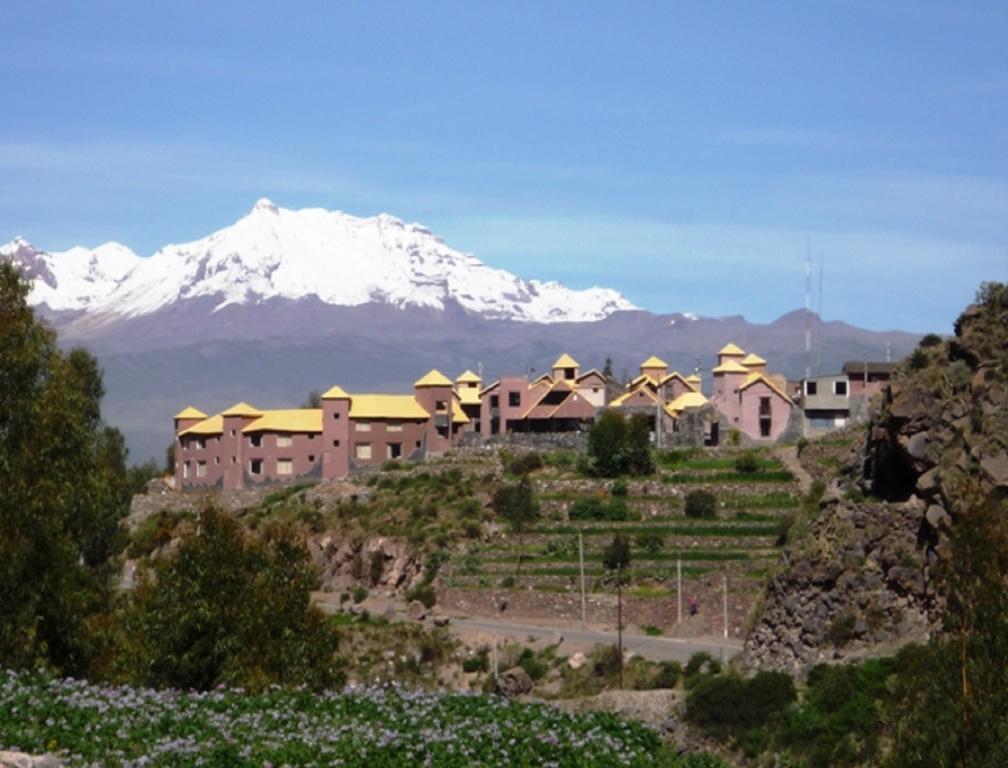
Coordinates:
[719,529]
[692,478]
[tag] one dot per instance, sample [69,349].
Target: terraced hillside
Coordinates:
[739,543]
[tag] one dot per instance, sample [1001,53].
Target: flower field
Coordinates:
[89,725]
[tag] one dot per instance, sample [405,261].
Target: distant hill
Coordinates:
[283,302]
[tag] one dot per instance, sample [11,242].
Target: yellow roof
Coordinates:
[588,373]
[335,393]
[242,409]
[565,361]
[433,378]
[756,377]
[545,377]
[288,420]
[212,426]
[731,349]
[644,377]
[687,400]
[468,378]
[693,378]
[190,413]
[458,417]
[386,407]
[753,359]
[654,362]
[624,397]
[730,366]
[469,396]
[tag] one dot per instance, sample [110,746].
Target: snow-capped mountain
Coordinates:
[71,280]
[274,252]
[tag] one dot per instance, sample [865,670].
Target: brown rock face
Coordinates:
[939,434]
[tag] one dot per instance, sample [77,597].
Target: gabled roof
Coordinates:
[654,362]
[545,377]
[730,366]
[212,426]
[492,385]
[335,393]
[433,378]
[468,377]
[588,373]
[387,407]
[458,415]
[190,413]
[857,368]
[759,377]
[687,400]
[242,409]
[731,349]
[565,361]
[627,395]
[674,375]
[753,359]
[693,377]
[288,420]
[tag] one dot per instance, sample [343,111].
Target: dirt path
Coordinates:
[788,454]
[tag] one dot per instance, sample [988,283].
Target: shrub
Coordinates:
[507,582]
[231,607]
[533,666]
[702,504]
[359,593]
[747,462]
[841,629]
[918,360]
[701,663]
[525,463]
[605,661]
[619,488]
[667,675]
[728,705]
[930,340]
[479,662]
[391,466]
[594,508]
[425,593]
[620,446]
[650,542]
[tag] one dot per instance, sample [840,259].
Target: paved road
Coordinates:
[654,648]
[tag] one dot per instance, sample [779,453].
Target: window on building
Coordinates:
[216,461]
[335,415]
[362,451]
[232,433]
[811,388]
[185,470]
[362,426]
[335,443]
[234,459]
[495,401]
[285,466]
[255,466]
[418,444]
[514,399]
[255,440]
[394,450]
[840,388]
[595,390]
[394,426]
[284,441]
[311,458]
[200,443]
[200,469]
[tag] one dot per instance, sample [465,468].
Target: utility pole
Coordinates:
[619,622]
[725,577]
[584,602]
[679,589]
[495,658]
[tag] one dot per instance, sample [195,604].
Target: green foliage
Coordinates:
[918,360]
[619,488]
[534,667]
[930,340]
[516,504]
[617,554]
[951,697]
[376,566]
[699,664]
[359,593]
[155,532]
[620,446]
[594,508]
[668,675]
[841,629]
[651,542]
[423,592]
[478,662]
[700,504]
[231,607]
[63,492]
[729,706]
[525,463]
[747,463]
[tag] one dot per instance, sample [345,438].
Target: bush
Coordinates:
[701,504]
[533,666]
[841,629]
[747,463]
[619,488]
[423,592]
[701,663]
[376,567]
[594,508]
[650,542]
[728,705]
[479,662]
[930,340]
[620,446]
[525,463]
[668,674]
[359,594]
[391,465]
[234,608]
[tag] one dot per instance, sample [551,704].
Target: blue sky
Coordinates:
[683,153]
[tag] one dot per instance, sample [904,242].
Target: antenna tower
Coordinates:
[808,310]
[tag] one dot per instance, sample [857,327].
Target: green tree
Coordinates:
[63,492]
[951,702]
[313,400]
[637,445]
[617,558]
[605,444]
[231,607]
[516,504]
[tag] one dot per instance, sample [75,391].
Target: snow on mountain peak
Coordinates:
[340,259]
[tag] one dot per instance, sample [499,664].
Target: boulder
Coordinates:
[513,682]
[416,611]
[23,760]
[577,660]
[441,621]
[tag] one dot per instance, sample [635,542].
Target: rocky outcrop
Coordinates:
[23,760]
[380,562]
[937,446]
